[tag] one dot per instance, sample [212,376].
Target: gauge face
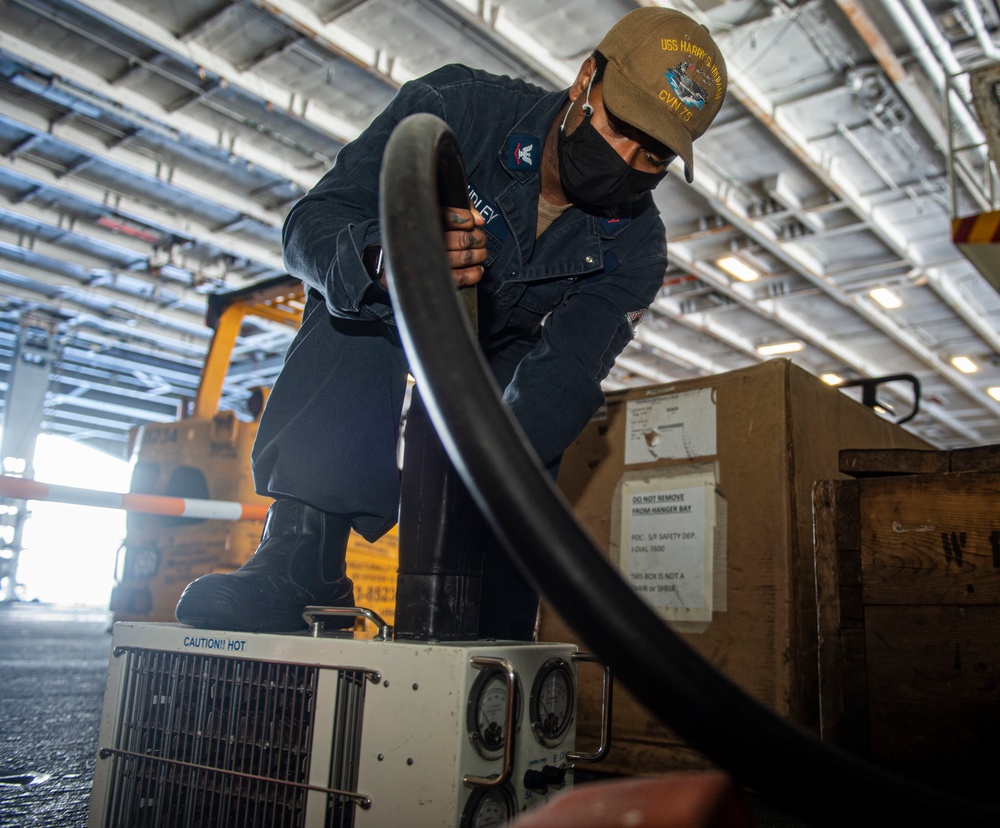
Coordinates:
[487,713]
[552,702]
[488,807]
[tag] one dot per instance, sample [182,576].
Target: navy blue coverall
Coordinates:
[554,313]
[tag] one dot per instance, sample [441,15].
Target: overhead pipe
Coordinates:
[930,119]
[979,28]
[934,54]
[933,35]
[928,43]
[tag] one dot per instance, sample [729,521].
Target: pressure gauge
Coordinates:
[552,702]
[487,713]
[489,807]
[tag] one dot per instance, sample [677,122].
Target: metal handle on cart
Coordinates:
[510,676]
[869,392]
[606,694]
[314,617]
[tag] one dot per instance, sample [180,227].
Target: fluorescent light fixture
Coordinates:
[832,379]
[738,268]
[886,298]
[964,364]
[780,348]
[994,392]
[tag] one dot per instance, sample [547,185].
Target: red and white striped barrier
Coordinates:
[21,489]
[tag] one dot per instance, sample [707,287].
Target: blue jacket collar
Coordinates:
[521,153]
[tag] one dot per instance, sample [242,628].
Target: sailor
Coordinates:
[567,249]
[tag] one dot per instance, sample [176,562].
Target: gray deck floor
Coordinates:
[52,667]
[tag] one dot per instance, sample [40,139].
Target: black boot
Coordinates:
[300,561]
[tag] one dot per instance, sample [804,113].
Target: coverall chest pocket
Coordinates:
[542,297]
[495,241]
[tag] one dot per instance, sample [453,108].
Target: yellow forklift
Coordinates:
[205,454]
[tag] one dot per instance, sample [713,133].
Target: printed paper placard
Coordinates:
[666,543]
[675,426]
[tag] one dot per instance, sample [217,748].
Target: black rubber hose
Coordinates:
[440,550]
[785,764]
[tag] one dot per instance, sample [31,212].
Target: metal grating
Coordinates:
[346,747]
[212,741]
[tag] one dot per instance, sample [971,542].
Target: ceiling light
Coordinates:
[994,392]
[14,465]
[780,348]
[886,298]
[964,364]
[738,268]
[832,379]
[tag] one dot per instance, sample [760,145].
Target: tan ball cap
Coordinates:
[665,76]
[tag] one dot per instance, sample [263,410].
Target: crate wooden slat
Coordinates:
[979,458]
[908,614]
[882,462]
[933,696]
[840,616]
[931,539]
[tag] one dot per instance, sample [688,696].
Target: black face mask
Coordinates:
[593,173]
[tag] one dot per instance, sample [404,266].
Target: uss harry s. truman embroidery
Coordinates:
[692,80]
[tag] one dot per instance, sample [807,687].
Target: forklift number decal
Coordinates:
[377,594]
[159,436]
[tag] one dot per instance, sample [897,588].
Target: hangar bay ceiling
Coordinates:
[149,150]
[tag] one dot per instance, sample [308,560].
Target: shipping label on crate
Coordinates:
[666,543]
[675,426]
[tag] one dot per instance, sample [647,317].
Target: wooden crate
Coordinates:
[762,436]
[908,589]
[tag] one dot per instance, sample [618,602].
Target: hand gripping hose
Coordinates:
[421,171]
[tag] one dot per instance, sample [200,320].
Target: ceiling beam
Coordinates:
[252,83]
[104,198]
[146,113]
[139,166]
[30,274]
